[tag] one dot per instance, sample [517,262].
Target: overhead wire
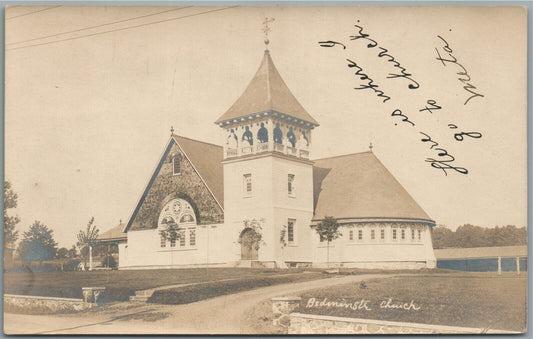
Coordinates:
[41,10]
[96,26]
[121,29]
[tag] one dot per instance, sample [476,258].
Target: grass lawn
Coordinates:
[121,284]
[459,299]
[193,293]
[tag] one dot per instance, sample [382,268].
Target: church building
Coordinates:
[256,200]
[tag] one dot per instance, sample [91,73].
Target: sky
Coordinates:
[91,94]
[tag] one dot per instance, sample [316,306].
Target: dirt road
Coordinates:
[221,315]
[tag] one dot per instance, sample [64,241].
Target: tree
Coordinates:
[62,253]
[508,235]
[87,239]
[476,236]
[328,230]
[10,222]
[38,244]
[470,236]
[72,253]
[443,237]
[170,232]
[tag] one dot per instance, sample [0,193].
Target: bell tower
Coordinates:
[268,177]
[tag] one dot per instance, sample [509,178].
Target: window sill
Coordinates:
[177,249]
[383,243]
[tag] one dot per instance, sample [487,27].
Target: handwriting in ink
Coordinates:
[370,83]
[445,159]
[330,43]
[384,54]
[398,113]
[463,76]
[433,106]
[460,136]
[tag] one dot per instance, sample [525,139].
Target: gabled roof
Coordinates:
[207,160]
[354,187]
[481,252]
[113,235]
[358,186]
[267,92]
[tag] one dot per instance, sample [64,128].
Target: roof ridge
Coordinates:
[342,155]
[116,226]
[267,90]
[196,140]
[269,84]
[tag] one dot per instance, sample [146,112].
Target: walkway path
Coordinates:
[221,315]
[147,293]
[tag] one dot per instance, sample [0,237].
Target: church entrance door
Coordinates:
[249,248]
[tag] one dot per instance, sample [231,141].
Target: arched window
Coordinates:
[262,134]
[178,215]
[176,164]
[248,136]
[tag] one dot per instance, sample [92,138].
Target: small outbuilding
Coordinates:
[480,259]
[111,240]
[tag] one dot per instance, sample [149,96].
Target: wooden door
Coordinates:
[249,248]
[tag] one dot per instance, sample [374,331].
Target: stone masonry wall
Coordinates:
[187,185]
[34,304]
[313,324]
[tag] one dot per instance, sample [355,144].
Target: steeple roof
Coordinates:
[267,93]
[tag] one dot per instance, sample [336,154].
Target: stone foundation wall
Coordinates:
[35,304]
[384,265]
[282,307]
[315,324]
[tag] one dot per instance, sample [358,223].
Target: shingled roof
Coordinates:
[207,159]
[351,188]
[359,187]
[115,234]
[267,92]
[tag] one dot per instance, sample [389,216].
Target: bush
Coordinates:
[109,261]
[71,265]
[48,266]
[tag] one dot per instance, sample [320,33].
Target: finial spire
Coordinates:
[266,29]
[370,147]
[171,129]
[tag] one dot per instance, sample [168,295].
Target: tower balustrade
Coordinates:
[241,150]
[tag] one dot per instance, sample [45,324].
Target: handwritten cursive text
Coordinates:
[463,75]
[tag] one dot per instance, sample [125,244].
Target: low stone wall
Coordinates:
[382,265]
[31,304]
[282,307]
[317,324]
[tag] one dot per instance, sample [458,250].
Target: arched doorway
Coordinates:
[249,245]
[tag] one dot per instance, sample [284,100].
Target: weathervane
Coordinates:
[266,29]
[370,147]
